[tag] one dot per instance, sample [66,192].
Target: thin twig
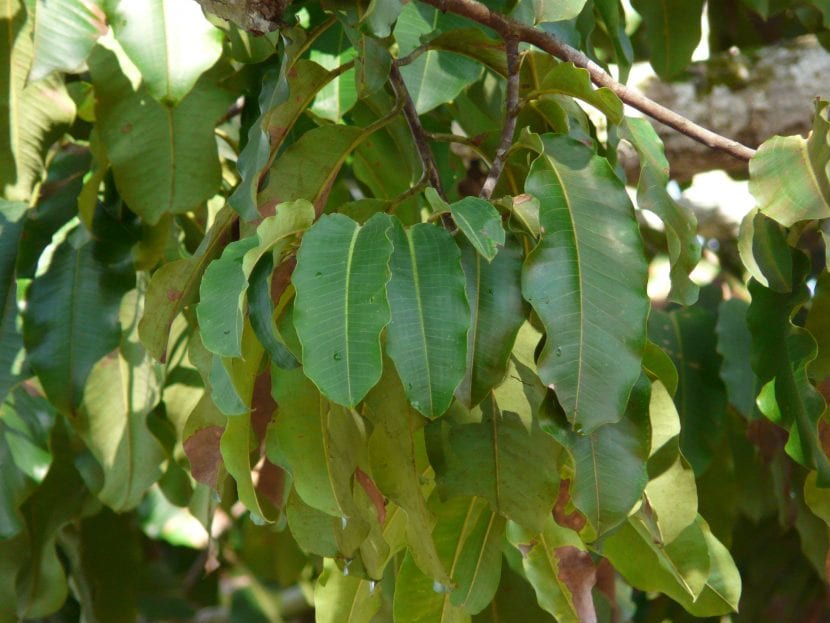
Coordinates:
[511,111]
[474,145]
[417,130]
[505,26]
[413,55]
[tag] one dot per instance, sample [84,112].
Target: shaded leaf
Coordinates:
[594,316]
[567,79]
[734,346]
[497,311]
[481,223]
[672,32]
[12,357]
[340,598]
[762,244]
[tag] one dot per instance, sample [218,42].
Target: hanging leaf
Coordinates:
[803,193]
[71,317]
[226,279]
[762,244]
[65,31]
[176,284]
[688,336]
[496,457]
[469,539]
[344,599]
[170,41]
[609,466]
[567,79]
[694,556]
[332,50]
[734,346]
[261,309]
[164,159]
[781,352]
[394,448]
[121,391]
[340,280]
[427,334]
[497,311]
[594,317]
[679,221]
[672,33]
[559,569]
[32,116]
[818,324]
[514,601]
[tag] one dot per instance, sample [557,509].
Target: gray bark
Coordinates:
[747,97]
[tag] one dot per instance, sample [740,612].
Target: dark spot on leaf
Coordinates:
[127,128]
[173,294]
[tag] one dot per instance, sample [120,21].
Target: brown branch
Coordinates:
[511,111]
[505,26]
[417,130]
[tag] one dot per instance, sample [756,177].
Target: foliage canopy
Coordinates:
[354,314]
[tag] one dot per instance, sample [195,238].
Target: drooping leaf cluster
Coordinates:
[246,334]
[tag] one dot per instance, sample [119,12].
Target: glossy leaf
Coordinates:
[430,316]
[495,456]
[497,311]
[594,317]
[164,159]
[170,41]
[481,223]
[672,32]
[804,192]
[340,279]
[679,221]
[32,116]
[71,318]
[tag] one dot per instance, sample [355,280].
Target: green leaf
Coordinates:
[175,285]
[433,78]
[679,221]
[340,280]
[164,159]
[261,310]
[481,223]
[818,324]
[669,570]
[340,598]
[609,466]
[781,352]
[559,569]
[734,346]
[594,316]
[32,116]
[762,244]
[226,279]
[170,41]
[475,44]
[688,336]
[672,33]
[790,176]
[396,456]
[121,391]
[555,10]
[332,50]
[65,31]
[372,66]
[469,538]
[427,335]
[71,317]
[497,313]
[278,113]
[12,357]
[514,601]
[496,456]
[671,492]
[567,79]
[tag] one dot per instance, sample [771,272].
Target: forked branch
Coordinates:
[506,27]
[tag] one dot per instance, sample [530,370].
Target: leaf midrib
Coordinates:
[421,326]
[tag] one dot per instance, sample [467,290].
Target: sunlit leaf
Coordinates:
[65,32]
